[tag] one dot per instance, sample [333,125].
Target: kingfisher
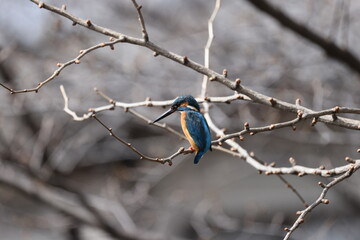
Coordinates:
[193,124]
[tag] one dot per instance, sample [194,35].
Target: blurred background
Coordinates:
[50,162]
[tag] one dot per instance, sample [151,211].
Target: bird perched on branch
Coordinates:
[193,124]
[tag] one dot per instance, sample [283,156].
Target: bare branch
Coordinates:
[341,54]
[143,156]
[293,189]
[314,115]
[234,85]
[63,201]
[321,199]
[141,20]
[62,66]
[208,45]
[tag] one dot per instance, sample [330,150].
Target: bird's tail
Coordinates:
[198,157]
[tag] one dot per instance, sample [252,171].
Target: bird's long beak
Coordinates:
[165,114]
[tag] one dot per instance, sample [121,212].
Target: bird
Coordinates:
[193,124]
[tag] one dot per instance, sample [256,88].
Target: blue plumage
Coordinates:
[193,123]
[199,132]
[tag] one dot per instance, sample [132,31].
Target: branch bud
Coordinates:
[349,160]
[272,101]
[88,22]
[237,82]
[300,174]
[225,72]
[314,121]
[325,201]
[300,113]
[292,161]
[212,78]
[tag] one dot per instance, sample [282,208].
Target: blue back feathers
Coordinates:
[199,131]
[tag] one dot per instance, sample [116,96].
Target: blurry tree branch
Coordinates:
[334,51]
[318,201]
[62,66]
[75,205]
[80,207]
[213,76]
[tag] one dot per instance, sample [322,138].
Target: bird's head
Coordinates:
[182,103]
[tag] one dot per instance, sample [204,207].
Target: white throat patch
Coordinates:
[192,108]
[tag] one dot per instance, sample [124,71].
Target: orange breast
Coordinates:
[186,132]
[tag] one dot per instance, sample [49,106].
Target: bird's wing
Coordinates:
[199,130]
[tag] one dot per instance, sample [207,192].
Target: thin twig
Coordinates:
[141,20]
[62,66]
[321,199]
[208,45]
[141,155]
[293,189]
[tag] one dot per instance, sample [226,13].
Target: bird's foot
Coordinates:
[190,150]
